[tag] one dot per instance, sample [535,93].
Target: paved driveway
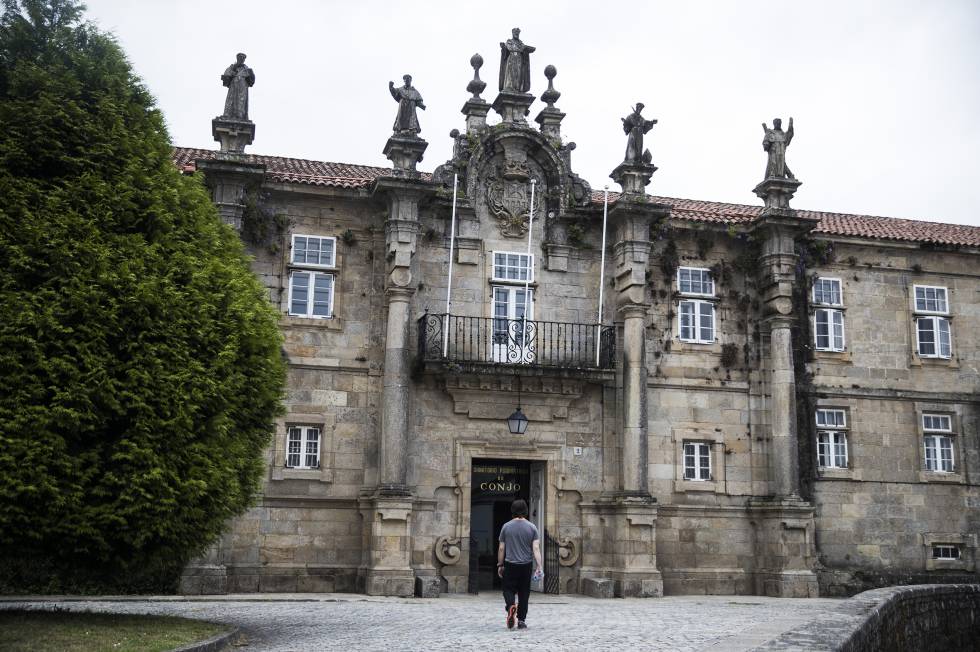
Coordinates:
[352,622]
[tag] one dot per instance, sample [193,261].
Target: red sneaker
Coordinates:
[511,616]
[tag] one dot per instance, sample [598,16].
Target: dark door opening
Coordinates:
[496,484]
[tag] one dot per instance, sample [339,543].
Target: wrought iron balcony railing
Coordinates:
[489,340]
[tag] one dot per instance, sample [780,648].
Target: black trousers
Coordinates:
[517,582]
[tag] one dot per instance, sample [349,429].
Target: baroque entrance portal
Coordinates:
[495,485]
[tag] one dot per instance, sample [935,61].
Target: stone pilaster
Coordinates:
[386,568]
[619,551]
[785,549]
[230,177]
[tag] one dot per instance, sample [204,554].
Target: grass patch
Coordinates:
[82,631]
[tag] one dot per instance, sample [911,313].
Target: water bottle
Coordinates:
[538,575]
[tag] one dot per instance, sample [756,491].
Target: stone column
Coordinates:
[394,409]
[783,408]
[634,399]
[387,511]
[230,178]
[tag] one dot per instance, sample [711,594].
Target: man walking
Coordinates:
[519,547]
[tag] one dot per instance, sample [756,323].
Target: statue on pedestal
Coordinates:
[406,122]
[515,64]
[635,126]
[237,77]
[775,143]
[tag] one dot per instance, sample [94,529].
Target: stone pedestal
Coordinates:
[230,177]
[785,552]
[633,177]
[405,152]
[387,566]
[619,555]
[476,115]
[513,108]
[550,121]
[777,193]
[233,135]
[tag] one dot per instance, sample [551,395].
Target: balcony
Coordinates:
[481,342]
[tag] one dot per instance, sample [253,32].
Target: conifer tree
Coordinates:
[140,364]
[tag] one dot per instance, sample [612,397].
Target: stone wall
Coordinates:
[934,618]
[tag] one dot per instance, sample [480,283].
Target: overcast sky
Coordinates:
[885,94]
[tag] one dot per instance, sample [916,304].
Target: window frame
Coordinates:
[311,289]
[702,451]
[938,547]
[939,463]
[832,430]
[926,311]
[936,343]
[292,251]
[499,279]
[304,453]
[840,291]
[831,330]
[697,314]
[705,273]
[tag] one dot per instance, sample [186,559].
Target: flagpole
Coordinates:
[449,284]
[602,272]
[530,266]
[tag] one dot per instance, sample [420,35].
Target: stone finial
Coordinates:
[232,128]
[551,95]
[476,84]
[637,168]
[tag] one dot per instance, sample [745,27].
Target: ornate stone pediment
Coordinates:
[508,196]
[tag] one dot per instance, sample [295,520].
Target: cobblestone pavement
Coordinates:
[353,622]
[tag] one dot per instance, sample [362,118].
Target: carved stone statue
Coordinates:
[238,77]
[775,143]
[406,122]
[635,126]
[515,64]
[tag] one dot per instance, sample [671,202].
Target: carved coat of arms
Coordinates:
[509,199]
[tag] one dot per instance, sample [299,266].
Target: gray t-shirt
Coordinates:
[517,535]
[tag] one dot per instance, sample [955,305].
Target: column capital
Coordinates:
[633,310]
[397,294]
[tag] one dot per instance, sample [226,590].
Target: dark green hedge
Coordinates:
[140,364]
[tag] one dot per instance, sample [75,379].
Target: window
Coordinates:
[946,552]
[832,439]
[303,447]
[828,323]
[932,333]
[930,299]
[510,266]
[697,322]
[932,336]
[314,251]
[828,329]
[310,291]
[692,280]
[697,461]
[938,442]
[826,291]
[311,294]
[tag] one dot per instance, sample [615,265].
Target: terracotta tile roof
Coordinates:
[345,175]
[294,170]
[843,224]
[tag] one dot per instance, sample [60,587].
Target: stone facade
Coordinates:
[671,450]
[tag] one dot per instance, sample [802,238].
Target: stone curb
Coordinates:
[213,644]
